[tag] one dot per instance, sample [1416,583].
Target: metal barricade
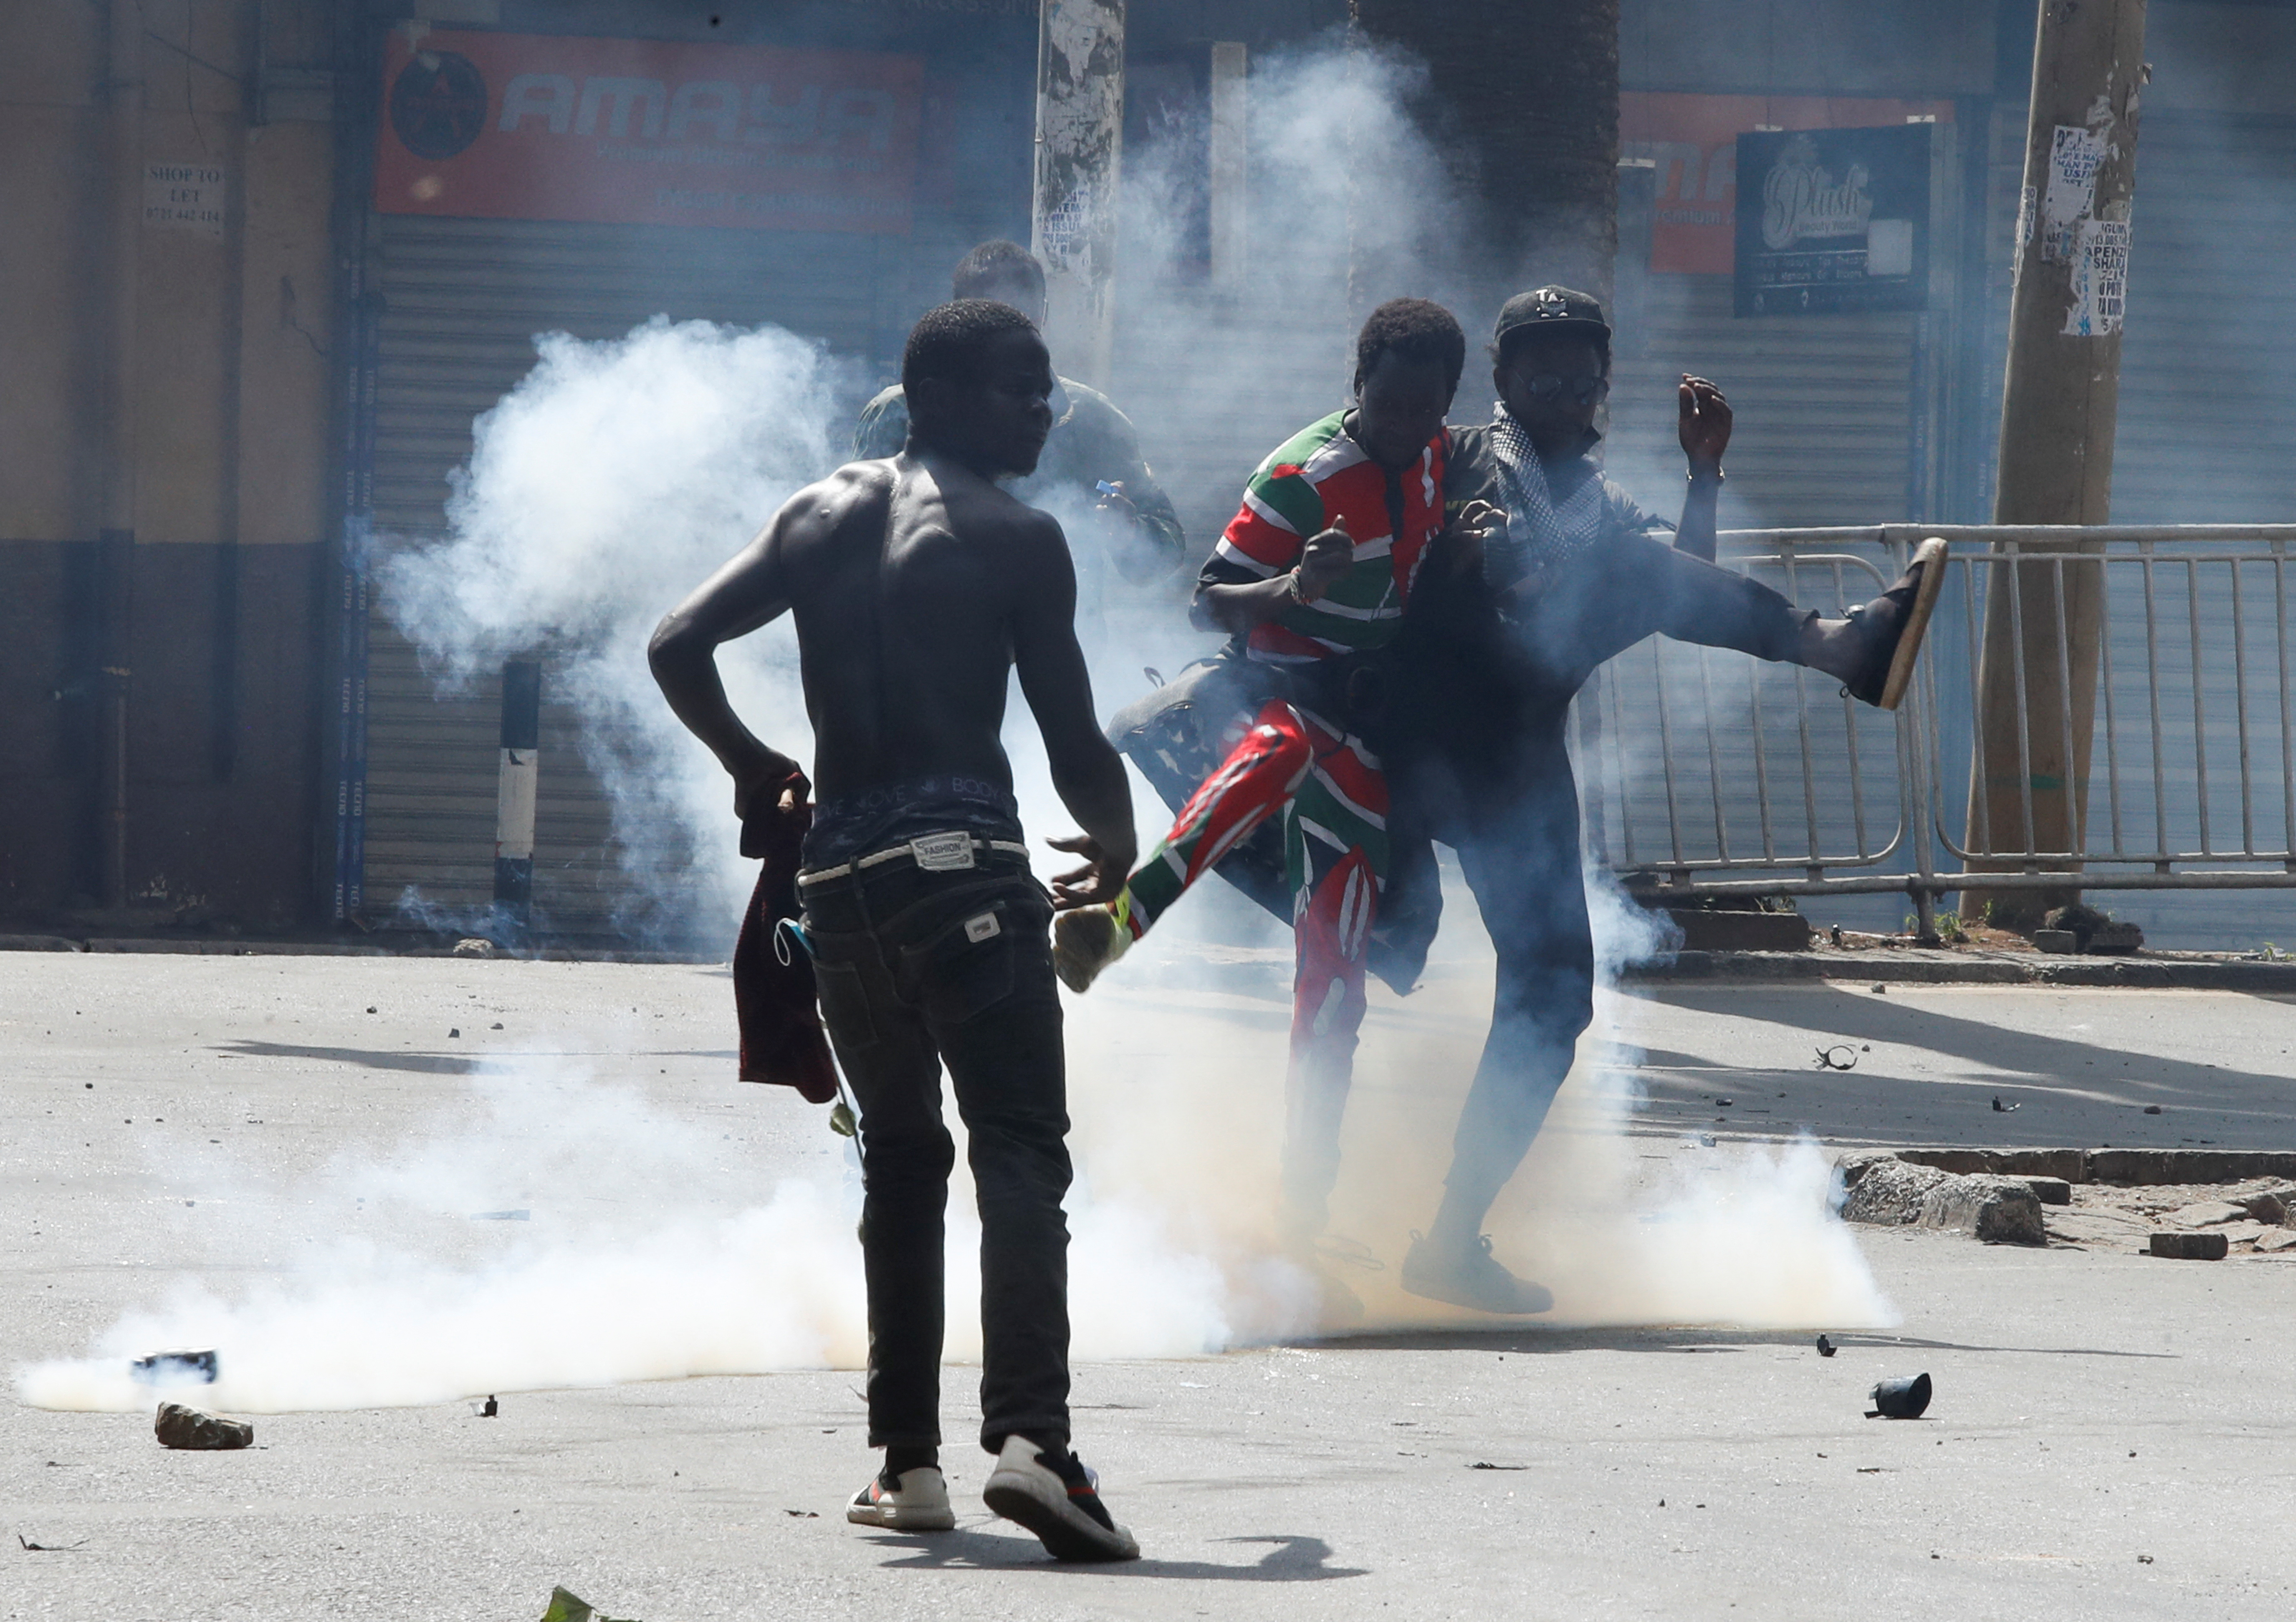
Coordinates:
[1710,774]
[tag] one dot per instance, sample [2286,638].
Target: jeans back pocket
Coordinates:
[967,965]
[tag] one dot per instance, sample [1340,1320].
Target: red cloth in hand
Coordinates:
[782,1040]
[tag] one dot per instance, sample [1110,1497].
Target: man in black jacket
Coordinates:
[1569,575]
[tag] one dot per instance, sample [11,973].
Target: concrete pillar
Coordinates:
[1079,164]
[2059,404]
[123,215]
[515,785]
[1231,168]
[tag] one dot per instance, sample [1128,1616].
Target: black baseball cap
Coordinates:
[1550,309]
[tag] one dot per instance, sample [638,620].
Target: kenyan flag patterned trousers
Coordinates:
[1333,797]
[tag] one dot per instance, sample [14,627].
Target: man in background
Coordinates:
[1120,524]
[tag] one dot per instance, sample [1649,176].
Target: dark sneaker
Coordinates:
[1052,1495]
[914,1501]
[1084,942]
[1470,1278]
[1892,626]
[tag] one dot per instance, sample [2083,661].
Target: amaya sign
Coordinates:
[645,132]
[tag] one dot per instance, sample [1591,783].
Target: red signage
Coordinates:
[1693,140]
[643,132]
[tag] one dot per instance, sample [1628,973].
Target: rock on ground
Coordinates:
[1892,1192]
[178,1426]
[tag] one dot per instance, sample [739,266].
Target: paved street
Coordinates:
[381,1216]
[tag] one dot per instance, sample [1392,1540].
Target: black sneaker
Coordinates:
[1470,1278]
[1893,625]
[1051,1493]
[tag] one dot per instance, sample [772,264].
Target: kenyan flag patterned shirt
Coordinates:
[1319,478]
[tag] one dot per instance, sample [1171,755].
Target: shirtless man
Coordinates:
[918,587]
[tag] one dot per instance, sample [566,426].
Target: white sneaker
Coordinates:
[1057,1499]
[917,1502]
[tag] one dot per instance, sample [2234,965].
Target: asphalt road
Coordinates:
[2111,1436]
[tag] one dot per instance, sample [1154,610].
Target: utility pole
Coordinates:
[2045,615]
[1080,165]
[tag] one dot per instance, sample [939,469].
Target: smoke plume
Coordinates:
[603,489]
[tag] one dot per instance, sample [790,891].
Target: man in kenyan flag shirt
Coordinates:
[1312,577]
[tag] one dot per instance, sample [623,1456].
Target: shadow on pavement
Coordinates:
[1532,1340]
[2049,1059]
[1290,1560]
[429,1064]
[449,1064]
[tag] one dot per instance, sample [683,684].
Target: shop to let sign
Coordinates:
[647,132]
[184,197]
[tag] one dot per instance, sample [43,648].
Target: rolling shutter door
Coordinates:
[1823,406]
[462,301]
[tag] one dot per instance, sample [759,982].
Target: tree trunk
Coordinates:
[1522,98]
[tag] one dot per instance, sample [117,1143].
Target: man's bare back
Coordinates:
[916,585]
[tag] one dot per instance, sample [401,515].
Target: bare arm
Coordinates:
[1087,772]
[1328,554]
[749,592]
[1704,429]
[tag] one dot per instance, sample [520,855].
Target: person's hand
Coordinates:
[1325,559]
[1472,529]
[1113,501]
[1099,881]
[1704,423]
[769,782]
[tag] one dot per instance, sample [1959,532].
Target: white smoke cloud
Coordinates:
[616,477]
[612,481]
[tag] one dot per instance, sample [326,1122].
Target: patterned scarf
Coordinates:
[1538,533]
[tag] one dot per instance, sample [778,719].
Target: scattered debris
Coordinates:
[1485,1464]
[2001,1109]
[2281,1241]
[1846,1061]
[2151,1108]
[1881,990]
[2207,1214]
[2191,1247]
[565,1606]
[454,1032]
[1826,1349]
[370,1008]
[495,1026]
[154,1367]
[490,1409]
[2144,1560]
[50,1548]
[474,945]
[1726,1103]
[803,1514]
[1901,1398]
[178,1426]
[501,1216]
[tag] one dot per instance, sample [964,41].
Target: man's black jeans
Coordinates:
[918,970]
